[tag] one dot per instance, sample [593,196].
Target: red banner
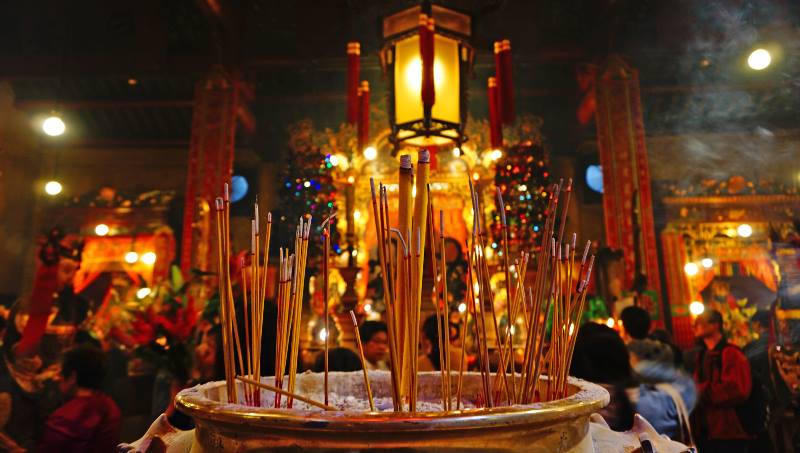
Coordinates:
[211,148]
[627,198]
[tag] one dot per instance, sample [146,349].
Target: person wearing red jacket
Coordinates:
[90,421]
[722,374]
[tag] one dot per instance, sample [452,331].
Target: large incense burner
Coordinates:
[561,425]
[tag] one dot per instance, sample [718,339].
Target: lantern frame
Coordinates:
[450,24]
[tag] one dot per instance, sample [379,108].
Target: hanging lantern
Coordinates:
[426,57]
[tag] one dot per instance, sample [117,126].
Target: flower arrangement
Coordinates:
[163,330]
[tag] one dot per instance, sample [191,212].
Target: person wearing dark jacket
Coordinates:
[723,381]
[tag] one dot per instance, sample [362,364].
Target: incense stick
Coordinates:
[363,361]
[287,393]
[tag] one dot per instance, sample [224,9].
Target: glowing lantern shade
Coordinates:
[401,57]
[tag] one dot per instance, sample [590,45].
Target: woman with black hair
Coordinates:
[428,360]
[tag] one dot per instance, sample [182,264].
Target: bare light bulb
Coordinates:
[697,308]
[53,188]
[149,258]
[101,229]
[131,257]
[744,230]
[53,126]
[759,59]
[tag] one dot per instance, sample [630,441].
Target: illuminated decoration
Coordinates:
[610,322]
[456,152]
[307,186]
[149,258]
[594,178]
[697,308]
[239,188]
[759,59]
[323,334]
[426,57]
[101,229]
[53,188]
[131,257]
[132,82]
[522,177]
[54,126]
[141,293]
[691,269]
[370,153]
[367,308]
[744,230]
[462,307]
[707,263]
[496,154]
[334,160]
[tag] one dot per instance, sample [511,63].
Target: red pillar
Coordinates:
[211,148]
[627,199]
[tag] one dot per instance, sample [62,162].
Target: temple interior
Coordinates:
[474,207]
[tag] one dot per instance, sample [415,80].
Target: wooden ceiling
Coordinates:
[690,56]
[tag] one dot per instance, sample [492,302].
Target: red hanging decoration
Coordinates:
[586,78]
[45,285]
[353,76]
[428,91]
[495,128]
[363,116]
[505,85]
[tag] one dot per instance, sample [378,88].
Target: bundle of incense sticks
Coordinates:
[557,295]
[291,287]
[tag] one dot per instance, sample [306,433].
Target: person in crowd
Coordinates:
[757,353]
[429,359]
[635,323]
[339,359]
[600,356]
[90,420]
[664,337]
[665,395]
[375,340]
[723,381]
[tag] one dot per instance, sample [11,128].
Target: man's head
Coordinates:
[635,322]
[375,339]
[83,367]
[708,324]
